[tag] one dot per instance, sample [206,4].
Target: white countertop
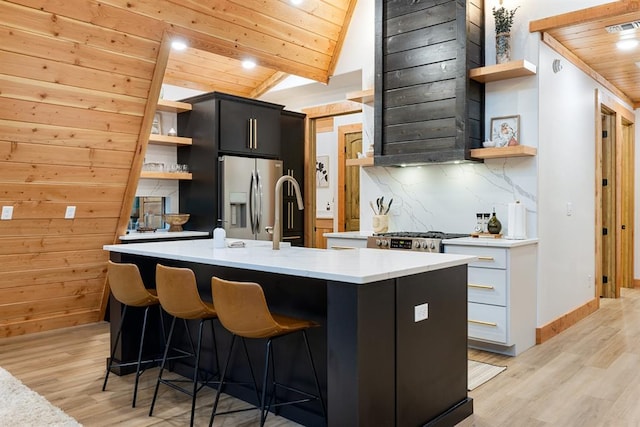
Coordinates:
[161,234]
[360,235]
[352,266]
[485,241]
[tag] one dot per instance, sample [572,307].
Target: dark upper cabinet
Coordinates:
[426,107]
[292,155]
[249,127]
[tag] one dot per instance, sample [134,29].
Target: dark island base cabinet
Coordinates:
[377,366]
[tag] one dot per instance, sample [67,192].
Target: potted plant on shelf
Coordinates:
[504,21]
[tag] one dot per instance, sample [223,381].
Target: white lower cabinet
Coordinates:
[501,293]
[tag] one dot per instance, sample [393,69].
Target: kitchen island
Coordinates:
[392,346]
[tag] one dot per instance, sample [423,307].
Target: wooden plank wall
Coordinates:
[73,92]
[76,77]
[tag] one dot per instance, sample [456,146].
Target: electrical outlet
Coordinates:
[7,212]
[70,213]
[569,208]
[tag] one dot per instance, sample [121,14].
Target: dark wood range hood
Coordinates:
[427,110]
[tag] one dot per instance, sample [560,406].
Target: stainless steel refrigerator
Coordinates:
[247,191]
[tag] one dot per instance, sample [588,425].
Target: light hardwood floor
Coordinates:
[587,376]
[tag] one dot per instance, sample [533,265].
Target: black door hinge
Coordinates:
[605,182]
[605,279]
[604,133]
[605,231]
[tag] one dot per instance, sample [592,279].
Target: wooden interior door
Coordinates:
[349,145]
[608,206]
[626,229]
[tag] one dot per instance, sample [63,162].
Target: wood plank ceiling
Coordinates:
[583,34]
[78,79]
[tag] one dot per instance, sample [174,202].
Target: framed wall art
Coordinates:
[505,131]
[322,171]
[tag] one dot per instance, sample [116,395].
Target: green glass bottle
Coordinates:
[494,226]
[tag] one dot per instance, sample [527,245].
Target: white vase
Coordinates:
[503,48]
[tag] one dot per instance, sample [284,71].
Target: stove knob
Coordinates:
[378,242]
[385,243]
[416,244]
[424,245]
[433,246]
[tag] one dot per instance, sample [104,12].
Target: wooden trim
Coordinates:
[636,283]
[336,109]
[141,148]
[269,83]
[499,152]
[598,196]
[555,327]
[582,16]
[573,58]
[366,161]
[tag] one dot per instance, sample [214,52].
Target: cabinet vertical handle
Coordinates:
[255,134]
[250,134]
[485,258]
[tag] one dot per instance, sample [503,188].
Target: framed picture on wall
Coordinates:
[505,131]
[322,171]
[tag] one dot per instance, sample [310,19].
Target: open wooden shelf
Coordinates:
[366,161]
[169,140]
[166,175]
[498,152]
[510,70]
[172,106]
[361,96]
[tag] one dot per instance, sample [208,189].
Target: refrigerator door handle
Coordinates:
[259,195]
[252,202]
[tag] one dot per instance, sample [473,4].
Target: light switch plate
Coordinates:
[7,212]
[421,312]
[70,213]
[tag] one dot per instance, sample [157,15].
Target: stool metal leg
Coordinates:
[115,347]
[315,374]
[144,328]
[164,362]
[222,378]
[268,355]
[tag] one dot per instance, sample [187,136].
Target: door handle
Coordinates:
[485,258]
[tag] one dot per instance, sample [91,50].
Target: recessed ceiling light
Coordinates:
[248,64]
[627,44]
[178,45]
[296,2]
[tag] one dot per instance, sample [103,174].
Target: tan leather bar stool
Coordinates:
[243,311]
[128,288]
[178,293]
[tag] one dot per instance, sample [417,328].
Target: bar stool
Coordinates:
[178,294]
[128,288]
[243,311]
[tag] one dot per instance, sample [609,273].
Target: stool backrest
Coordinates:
[127,286]
[178,292]
[242,308]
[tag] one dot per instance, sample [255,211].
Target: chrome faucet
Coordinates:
[278,202]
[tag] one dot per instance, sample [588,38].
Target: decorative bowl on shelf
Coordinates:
[488,144]
[176,220]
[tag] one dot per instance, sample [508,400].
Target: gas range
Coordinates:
[427,241]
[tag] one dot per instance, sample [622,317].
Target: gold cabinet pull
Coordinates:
[485,258]
[482,322]
[343,247]
[475,285]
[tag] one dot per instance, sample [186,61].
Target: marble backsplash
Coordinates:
[446,197]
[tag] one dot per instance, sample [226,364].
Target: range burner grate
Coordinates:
[422,234]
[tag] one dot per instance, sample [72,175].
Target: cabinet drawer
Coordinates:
[487,285]
[487,322]
[487,257]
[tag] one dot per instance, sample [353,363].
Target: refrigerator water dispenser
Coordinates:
[238,210]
